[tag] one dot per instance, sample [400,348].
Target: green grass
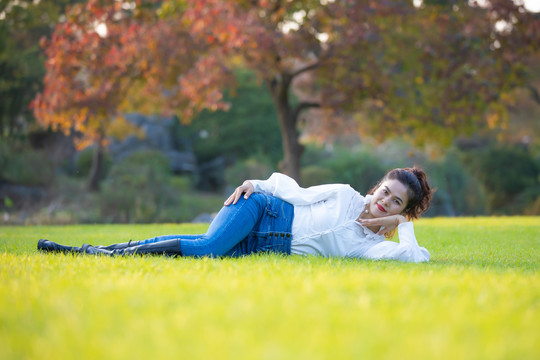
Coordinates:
[479,298]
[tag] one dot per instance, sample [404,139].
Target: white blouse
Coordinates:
[325,223]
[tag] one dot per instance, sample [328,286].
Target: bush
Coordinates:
[22,165]
[505,172]
[83,163]
[138,188]
[252,168]
[316,175]
[458,192]
[180,184]
[360,169]
[191,205]
[526,203]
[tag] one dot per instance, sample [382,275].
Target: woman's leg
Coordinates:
[232,224]
[168,237]
[118,245]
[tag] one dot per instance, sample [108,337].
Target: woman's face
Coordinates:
[389,199]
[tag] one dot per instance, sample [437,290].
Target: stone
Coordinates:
[157,131]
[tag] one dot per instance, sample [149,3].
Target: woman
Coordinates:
[277,215]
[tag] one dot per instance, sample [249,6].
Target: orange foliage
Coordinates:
[430,70]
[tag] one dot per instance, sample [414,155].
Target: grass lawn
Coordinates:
[478,298]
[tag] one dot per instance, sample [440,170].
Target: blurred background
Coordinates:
[153,111]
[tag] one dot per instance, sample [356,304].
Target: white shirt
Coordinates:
[325,223]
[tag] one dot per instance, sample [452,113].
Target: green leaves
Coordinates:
[428,74]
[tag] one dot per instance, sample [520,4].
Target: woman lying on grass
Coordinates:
[277,215]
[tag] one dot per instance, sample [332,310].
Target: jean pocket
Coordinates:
[272,242]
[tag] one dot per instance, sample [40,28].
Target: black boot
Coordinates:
[94,250]
[118,246]
[49,246]
[167,247]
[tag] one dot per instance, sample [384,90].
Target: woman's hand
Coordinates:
[246,188]
[387,223]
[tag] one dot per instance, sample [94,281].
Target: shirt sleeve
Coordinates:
[287,189]
[406,250]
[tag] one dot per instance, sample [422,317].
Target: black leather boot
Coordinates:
[118,246]
[94,250]
[167,247]
[49,246]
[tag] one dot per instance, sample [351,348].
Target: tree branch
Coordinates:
[303,106]
[534,93]
[306,68]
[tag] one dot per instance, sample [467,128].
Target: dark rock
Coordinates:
[157,136]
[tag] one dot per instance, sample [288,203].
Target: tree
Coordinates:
[87,75]
[435,69]
[247,129]
[430,73]
[22,24]
[98,64]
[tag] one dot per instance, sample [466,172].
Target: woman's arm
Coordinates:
[406,250]
[386,223]
[287,189]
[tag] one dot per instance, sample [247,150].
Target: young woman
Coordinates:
[277,215]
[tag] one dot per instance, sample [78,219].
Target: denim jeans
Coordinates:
[262,223]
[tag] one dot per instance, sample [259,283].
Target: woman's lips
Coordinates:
[381,208]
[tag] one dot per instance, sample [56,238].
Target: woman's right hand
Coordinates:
[246,188]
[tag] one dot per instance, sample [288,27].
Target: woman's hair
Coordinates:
[418,190]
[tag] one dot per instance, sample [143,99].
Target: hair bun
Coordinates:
[425,188]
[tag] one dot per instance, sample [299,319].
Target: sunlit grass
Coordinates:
[479,298]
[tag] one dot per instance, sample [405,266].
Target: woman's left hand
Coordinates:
[387,223]
[245,189]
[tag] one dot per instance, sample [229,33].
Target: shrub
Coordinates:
[505,171]
[316,175]
[22,165]
[526,203]
[360,169]
[83,163]
[138,188]
[458,192]
[252,168]
[180,183]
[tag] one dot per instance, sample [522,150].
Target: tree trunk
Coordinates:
[292,149]
[94,177]
[535,94]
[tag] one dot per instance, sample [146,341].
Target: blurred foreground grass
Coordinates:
[479,298]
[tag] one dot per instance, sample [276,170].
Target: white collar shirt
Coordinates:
[325,223]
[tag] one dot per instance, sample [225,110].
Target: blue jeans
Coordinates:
[262,223]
